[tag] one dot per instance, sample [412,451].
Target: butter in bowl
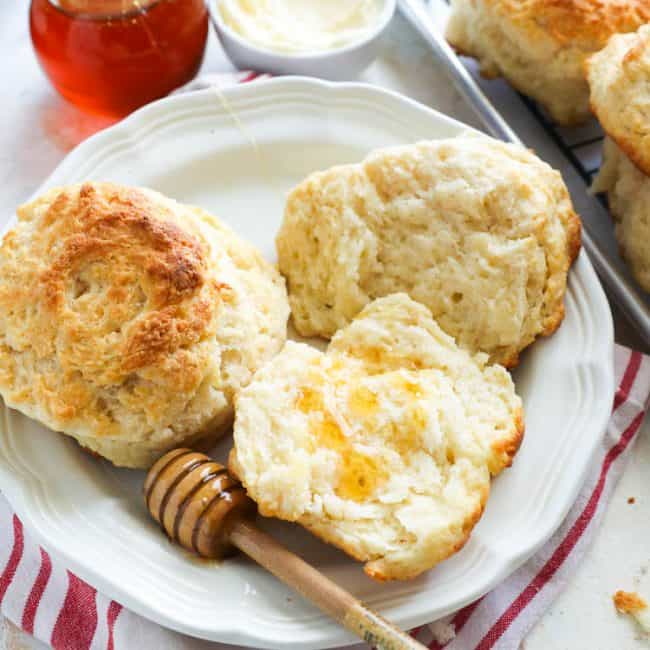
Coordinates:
[333,40]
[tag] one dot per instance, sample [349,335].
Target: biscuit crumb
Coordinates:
[631,500]
[631,603]
[443,631]
[628,602]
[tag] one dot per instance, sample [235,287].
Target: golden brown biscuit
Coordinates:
[619,78]
[382,446]
[628,192]
[481,232]
[129,321]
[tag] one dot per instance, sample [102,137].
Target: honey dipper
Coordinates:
[207,511]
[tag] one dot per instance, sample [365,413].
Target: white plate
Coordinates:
[92,515]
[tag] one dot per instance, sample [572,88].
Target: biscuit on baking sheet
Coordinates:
[481,232]
[383,445]
[540,46]
[129,321]
[619,80]
[628,193]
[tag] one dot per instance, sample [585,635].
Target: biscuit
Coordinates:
[383,445]
[129,321]
[540,46]
[481,232]
[618,78]
[628,192]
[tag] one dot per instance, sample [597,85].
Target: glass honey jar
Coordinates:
[112,56]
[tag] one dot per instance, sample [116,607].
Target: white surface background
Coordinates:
[37,128]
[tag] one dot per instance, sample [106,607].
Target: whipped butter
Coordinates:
[301,26]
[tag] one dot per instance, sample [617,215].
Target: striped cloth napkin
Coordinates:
[39,595]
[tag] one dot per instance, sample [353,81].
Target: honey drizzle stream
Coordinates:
[263,161]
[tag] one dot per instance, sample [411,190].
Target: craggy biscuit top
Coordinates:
[108,283]
[577,23]
[115,304]
[384,445]
[540,45]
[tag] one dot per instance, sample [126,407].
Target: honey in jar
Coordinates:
[112,56]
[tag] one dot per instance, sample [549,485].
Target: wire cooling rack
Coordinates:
[581,145]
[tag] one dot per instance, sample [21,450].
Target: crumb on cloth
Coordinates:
[628,602]
[443,631]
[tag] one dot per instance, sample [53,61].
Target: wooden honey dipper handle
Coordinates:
[200,506]
[320,590]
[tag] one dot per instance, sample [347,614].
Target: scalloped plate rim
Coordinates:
[18,491]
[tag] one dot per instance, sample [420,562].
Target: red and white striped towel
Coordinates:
[43,598]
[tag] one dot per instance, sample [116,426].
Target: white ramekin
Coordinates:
[338,64]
